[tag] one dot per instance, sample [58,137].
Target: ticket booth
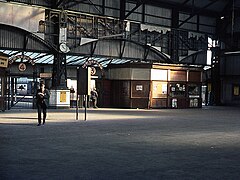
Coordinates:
[155,85]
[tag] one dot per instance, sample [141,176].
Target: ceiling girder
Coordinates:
[138,4]
[95,6]
[74,3]
[122,48]
[61,3]
[130,12]
[181,7]
[197,12]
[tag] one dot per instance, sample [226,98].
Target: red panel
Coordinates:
[178,75]
[194,76]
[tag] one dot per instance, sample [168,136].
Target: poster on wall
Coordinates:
[164,88]
[139,87]
[236,91]
[159,89]
[63,96]
[22,89]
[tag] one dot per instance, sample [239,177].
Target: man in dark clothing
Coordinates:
[42,98]
[94,96]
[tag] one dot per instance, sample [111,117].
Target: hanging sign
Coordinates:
[22,67]
[45,75]
[91,63]
[3,61]
[23,57]
[93,71]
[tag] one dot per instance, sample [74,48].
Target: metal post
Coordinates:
[85,102]
[77,107]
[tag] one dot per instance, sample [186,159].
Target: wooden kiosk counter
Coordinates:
[139,85]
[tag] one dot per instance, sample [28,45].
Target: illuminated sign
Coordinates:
[3,61]
[22,67]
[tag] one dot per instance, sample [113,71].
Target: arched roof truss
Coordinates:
[14,38]
[118,50]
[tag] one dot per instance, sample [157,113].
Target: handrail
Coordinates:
[18,100]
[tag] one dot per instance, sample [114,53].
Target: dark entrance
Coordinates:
[21,83]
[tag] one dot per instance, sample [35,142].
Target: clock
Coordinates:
[64,48]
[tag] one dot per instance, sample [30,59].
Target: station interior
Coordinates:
[141,54]
[167,78]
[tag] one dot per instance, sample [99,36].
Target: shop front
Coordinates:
[155,86]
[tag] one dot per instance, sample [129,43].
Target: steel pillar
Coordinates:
[59,77]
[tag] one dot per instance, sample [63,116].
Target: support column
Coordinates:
[174,36]
[215,77]
[59,94]
[59,78]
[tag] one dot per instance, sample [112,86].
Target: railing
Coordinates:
[23,102]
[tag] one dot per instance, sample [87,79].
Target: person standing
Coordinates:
[94,96]
[42,98]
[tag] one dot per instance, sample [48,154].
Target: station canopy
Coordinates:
[71,60]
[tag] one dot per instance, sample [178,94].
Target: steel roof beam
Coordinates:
[74,3]
[197,12]
[122,10]
[181,7]
[60,3]
[138,4]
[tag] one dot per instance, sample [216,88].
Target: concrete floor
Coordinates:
[121,144]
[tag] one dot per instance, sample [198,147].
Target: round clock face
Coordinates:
[63,47]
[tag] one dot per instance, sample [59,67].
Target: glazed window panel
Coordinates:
[194,91]
[177,90]
[159,74]
[193,102]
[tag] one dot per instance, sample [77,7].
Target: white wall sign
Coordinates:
[139,87]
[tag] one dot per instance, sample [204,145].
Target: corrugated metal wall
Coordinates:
[19,39]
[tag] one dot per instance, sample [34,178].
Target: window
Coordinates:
[193,91]
[177,89]
[236,90]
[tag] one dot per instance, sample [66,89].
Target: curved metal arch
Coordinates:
[166,58]
[148,53]
[15,38]
[193,58]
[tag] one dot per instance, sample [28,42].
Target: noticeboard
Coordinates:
[84,81]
